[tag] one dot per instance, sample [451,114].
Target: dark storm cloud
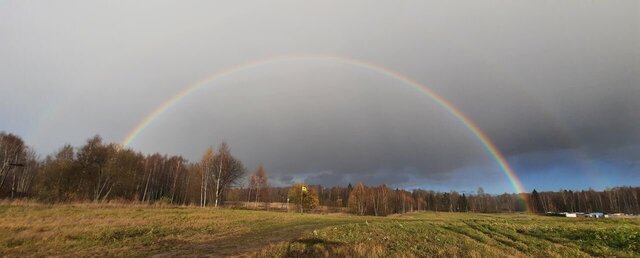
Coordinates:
[601,119]
[394,178]
[536,78]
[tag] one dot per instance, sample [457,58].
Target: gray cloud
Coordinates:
[534,76]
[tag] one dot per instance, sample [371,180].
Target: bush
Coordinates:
[164,201]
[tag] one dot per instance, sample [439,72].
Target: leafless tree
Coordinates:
[260,182]
[229,171]
[206,168]
[12,154]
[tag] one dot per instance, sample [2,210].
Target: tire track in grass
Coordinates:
[476,237]
[584,250]
[534,246]
[540,246]
[489,244]
[564,247]
[498,237]
[257,240]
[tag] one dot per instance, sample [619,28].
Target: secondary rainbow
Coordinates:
[448,106]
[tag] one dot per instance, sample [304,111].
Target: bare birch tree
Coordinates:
[12,152]
[260,182]
[229,172]
[206,168]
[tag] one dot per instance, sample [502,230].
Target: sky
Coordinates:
[553,84]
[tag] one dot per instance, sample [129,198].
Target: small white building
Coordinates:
[596,215]
[563,214]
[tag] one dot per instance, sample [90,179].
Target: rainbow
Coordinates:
[448,106]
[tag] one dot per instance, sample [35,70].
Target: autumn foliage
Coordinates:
[303,196]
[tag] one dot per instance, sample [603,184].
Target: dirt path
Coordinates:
[250,242]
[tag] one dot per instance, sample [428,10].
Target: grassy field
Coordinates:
[98,230]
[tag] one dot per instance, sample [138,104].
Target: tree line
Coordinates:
[615,200]
[99,172]
[382,200]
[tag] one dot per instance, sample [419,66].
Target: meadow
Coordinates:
[105,230]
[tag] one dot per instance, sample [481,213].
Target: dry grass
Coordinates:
[30,229]
[139,230]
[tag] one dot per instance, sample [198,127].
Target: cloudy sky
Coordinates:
[554,84]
